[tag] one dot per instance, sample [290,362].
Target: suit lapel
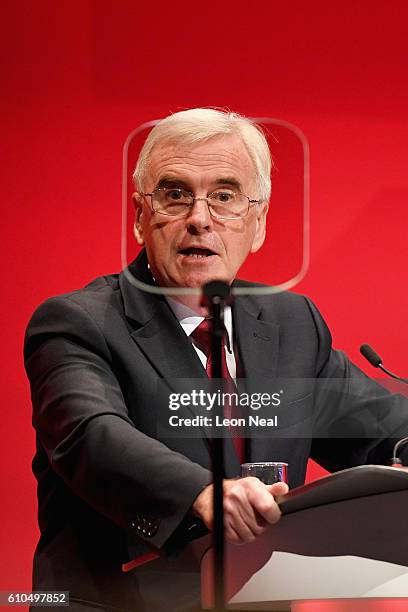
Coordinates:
[154,327]
[257,340]
[158,334]
[258,351]
[166,346]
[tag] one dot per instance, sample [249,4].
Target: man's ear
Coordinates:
[260,228]
[137,227]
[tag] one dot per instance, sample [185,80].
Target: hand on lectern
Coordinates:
[249,507]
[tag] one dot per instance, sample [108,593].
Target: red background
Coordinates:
[77,77]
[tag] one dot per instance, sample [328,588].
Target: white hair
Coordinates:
[198,125]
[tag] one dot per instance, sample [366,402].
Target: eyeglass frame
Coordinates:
[251,203]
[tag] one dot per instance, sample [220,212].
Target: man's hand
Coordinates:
[249,507]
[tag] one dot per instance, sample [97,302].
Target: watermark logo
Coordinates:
[199,398]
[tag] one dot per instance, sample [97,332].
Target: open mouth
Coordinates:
[197,252]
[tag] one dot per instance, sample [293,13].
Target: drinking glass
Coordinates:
[268,472]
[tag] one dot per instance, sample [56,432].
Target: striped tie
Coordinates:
[202,337]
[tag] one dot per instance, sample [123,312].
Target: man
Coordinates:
[106,480]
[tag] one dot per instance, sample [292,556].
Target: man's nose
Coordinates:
[199,218]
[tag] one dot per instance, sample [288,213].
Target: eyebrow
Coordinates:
[229,181]
[168,181]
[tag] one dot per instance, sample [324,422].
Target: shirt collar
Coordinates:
[189,319]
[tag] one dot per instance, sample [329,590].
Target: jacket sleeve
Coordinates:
[82,423]
[357,420]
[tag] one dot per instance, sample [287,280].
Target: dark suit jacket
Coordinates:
[105,479]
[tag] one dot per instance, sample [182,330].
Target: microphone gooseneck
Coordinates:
[376,361]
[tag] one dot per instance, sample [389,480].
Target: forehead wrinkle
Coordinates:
[226,148]
[224,164]
[185,163]
[202,160]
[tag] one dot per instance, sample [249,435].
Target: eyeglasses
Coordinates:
[222,203]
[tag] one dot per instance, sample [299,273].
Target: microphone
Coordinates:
[376,361]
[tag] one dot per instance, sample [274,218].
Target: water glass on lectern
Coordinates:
[268,472]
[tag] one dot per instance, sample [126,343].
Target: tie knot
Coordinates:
[202,336]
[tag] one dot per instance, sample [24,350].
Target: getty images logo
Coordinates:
[207,401]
